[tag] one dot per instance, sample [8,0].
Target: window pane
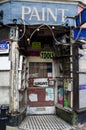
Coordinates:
[39,69]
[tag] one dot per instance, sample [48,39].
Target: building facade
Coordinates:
[39,59]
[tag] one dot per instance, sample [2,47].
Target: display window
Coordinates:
[65,79]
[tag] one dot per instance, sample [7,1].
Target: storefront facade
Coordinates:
[40,55]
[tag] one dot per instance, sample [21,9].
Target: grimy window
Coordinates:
[39,70]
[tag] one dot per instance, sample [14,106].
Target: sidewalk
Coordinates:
[80,127]
[46,122]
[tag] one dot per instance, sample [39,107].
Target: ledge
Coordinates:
[81,110]
[67,109]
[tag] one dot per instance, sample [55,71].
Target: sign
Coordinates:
[41,82]
[81,18]
[46,54]
[82,86]
[79,34]
[4,47]
[36,45]
[33,13]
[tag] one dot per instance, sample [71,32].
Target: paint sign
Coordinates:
[41,82]
[33,13]
[4,47]
[49,13]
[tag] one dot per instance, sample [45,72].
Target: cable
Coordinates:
[48,28]
[24,29]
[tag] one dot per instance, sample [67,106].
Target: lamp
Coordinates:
[28,40]
[15,21]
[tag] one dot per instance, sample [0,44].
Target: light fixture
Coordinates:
[38,29]
[15,21]
[28,40]
[53,27]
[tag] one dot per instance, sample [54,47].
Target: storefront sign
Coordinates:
[46,13]
[4,47]
[46,54]
[38,12]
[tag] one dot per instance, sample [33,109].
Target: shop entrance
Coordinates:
[41,90]
[50,66]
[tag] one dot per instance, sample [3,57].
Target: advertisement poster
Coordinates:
[49,94]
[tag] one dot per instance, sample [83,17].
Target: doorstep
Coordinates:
[12,128]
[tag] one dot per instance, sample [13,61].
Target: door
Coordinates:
[41,90]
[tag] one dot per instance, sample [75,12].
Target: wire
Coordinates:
[57,42]
[48,28]
[24,29]
[11,26]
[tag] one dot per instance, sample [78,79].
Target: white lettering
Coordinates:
[35,14]
[63,13]
[50,13]
[43,14]
[25,11]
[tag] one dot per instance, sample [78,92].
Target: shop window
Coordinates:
[65,79]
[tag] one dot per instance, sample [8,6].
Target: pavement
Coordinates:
[46,122]
[80,127]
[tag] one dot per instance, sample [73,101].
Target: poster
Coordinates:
[49,94]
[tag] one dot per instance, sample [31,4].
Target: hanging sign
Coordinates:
[47,54]
[79,34]
[81,18]
[4,47]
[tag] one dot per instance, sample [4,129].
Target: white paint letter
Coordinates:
[35,14]
[50,13]
[63,13]
[25,11]
[43,14]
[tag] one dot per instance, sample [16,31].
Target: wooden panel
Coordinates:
[40,97]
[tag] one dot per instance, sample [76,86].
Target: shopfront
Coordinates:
[42,56]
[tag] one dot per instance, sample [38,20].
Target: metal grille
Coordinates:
[44,122]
